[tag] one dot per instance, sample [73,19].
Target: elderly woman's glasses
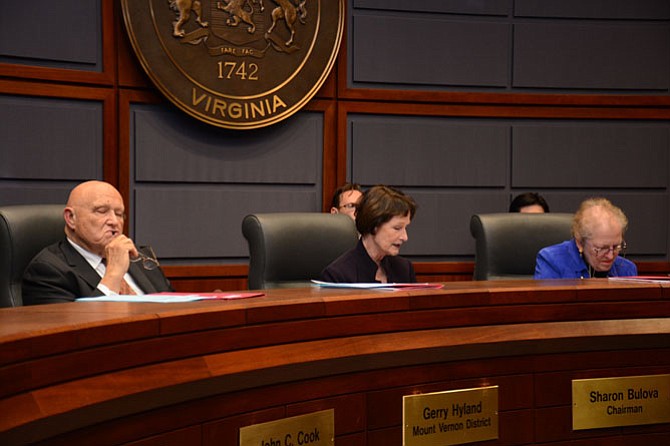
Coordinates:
[602,251]
[149,262]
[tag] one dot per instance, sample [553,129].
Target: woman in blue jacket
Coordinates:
[597,229]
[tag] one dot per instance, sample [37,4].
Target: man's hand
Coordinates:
[117,254]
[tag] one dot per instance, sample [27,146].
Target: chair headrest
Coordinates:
[507,243]
[24,231]
[293,247]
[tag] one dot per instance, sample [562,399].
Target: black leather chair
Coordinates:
[507,244]
[287,250]
[24,231]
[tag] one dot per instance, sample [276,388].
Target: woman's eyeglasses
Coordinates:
[602,251]
[149,262]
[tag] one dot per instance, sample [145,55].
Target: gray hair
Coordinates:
[590,213]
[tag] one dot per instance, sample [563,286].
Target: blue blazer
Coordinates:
[563,261]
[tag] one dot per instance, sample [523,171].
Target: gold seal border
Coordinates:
[242,125]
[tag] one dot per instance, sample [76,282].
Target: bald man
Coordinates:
[94,258]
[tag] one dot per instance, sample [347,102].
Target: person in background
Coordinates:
[94,258]
[529,203]
[345,199]
[598,228]
[382,218]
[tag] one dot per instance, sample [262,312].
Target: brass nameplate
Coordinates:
[624,401]
[451,417]
[314,429]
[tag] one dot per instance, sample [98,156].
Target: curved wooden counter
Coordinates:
[194,373]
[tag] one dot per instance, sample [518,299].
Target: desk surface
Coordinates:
[58,362]
[28,323]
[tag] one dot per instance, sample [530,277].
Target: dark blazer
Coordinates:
[60,274]
[356,266]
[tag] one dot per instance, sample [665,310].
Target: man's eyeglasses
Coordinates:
[149,262]
[601,251]
[348,206]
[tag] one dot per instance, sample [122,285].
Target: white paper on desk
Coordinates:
[377,285]
[143,298]
[171,297]
[643,279]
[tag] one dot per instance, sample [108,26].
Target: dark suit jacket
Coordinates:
[356,266]
[60,274]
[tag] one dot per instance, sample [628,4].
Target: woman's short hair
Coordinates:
[528,199]
[584,222]
[380,204]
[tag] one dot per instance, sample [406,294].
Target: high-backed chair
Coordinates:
[24,231]
[507,244]
[287,250]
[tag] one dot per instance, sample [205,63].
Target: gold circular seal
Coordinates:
[238,64]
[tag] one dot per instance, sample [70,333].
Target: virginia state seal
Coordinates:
[238,64]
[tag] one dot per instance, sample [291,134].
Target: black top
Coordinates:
[356,266]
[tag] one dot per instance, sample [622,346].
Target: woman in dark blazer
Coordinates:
[382,217]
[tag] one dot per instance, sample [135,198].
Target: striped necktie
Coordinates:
[126,289]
